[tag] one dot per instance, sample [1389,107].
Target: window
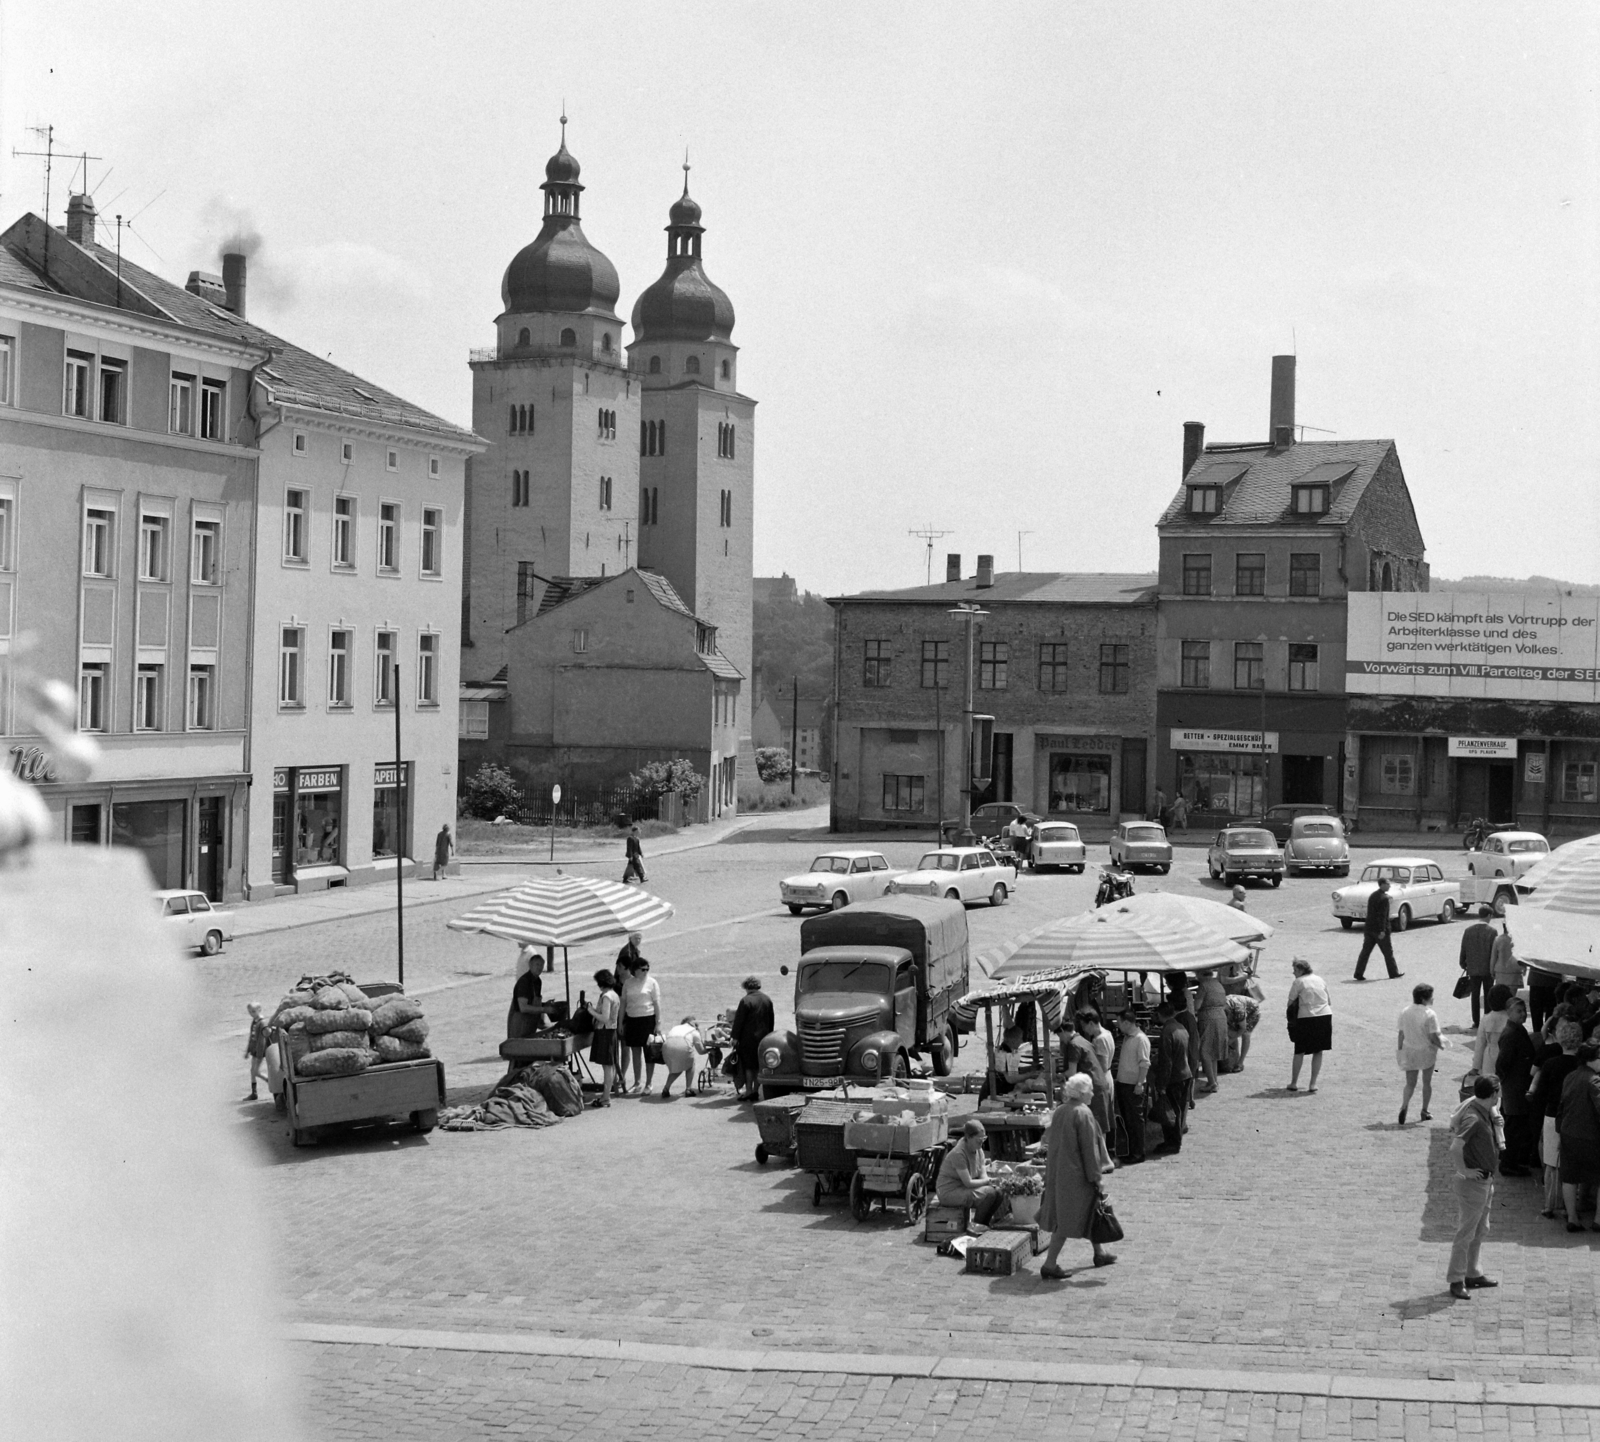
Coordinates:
[474,721]
[1205,500]
[1578,781]
[433,467]
[649,505]
[1197,575]
[113,391]
[200,699]
[8,363]
[147,699]
[727,369]
[605,342]
[339,648]
[97,526]
[692,366]
[204,552]
[523,336]
[569,336]
[936,664]
[1249,666]
[1250,574]
[291,689]
[1305,573]
[302,445]
[1310,500]
[1302,667]
[432,529]
[213,413]
[994,662]
[725,440]
[383,679]
[347,452]
[92,697]
[180,406]
[344,532]
[394,460]
[608,425]
[580,641]
[1397,774]
[295,504]
[428,669]
[652,438]
[6,523]
[605,493]
[519,488]
[153,548]
[876,663]
[655,365]
[525,583]
[904,794]
[75,396]
[388,536]
[1113,669]
[725,508]
[1196,664]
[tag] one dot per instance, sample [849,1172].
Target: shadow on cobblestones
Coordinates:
[1413,1309]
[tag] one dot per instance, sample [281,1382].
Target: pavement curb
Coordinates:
[958,1369]
[505,859]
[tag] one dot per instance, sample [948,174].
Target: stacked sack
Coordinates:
[399,1032]
[327,1020]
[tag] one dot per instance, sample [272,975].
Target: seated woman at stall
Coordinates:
[964,1176]
[1012,1069]
[526,1015]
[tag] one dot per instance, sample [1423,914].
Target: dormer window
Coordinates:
[1205,500]
[1311,500]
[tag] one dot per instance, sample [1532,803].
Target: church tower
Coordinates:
[696,486]
[557,492]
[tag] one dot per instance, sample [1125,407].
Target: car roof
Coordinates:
[177,891]
[954,850]
[1516,836]
[1051,821]
[851,854]
[1401,861]
[1320,816]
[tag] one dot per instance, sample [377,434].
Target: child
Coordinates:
[256,1048]
[603,1040]
[678,1049]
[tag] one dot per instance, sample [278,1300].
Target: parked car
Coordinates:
[960,873]
[1141,843]
[1417,889]
[1239,852]
[197,921]
[1057,844]
[1317,843]
[1280,819]
[1493,869]
[992,818]
[837,878]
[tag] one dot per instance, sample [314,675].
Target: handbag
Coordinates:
[1463,987]
[1103,1224]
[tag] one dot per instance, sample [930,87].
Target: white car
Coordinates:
[1493,869]
[197,921]
[1417,889]
[961,873]
[1057,843]
[836,879]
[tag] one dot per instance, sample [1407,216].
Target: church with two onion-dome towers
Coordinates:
[604,457]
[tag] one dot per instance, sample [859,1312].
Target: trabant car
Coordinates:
[1239,852]
[195,920]
[1058,844]
[837,878]
[1317,843]
[959,873]
[1493,869]
[1417,889]
[1141,843]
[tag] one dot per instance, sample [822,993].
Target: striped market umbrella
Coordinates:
[1568,879]
[1556,925]
[1099,940]
[1166,908]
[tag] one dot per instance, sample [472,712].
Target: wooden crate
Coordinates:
[1031,1229]
[999,1254]
[942,1222]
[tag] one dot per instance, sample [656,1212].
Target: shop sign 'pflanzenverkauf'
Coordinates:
[1514,646]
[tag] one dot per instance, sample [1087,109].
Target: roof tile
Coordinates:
[1261,492]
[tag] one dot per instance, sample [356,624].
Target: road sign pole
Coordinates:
[555,801]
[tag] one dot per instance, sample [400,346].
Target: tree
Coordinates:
[491,792]
[773,763]
[793,639]
[655,779]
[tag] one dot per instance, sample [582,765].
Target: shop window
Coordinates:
[75,394]
[877,660]
[147,690]
[904,795]
[213,413]
[383,671]
[204,550]
[180,405]
[389,537]
[1305,573]
[153,548]
[1196,664]
[474,721]
[432,540]
[1114,669]
[202,683]
[318,823]
[85,826]
[92,697]
[295,505]
[1249,666]
[1578,781]
[344,532]
[340,645]
[1219,782]
[994,663]
[291,661]
[97,536]
[1053,666]
[935,664]
[1397,774]
[389,816]
[1197,575]
[1302,667]
[1079,783]
[157,829]
[1250,574]
[113,391]
[428,669]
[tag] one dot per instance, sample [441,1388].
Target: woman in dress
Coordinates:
[603,1041]
[1418,1045]
[1212,1001]
[641,1017]
[1487,1046]
[1075,1161]
[1310,1022]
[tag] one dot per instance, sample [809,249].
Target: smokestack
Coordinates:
[233,282]
[985,570]
[1194,441]
[952,566]
[1280,427]
[80,219]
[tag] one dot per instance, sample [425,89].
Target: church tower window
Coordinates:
[692,365]
[569,336]
[605,342]
[523,338]
[727,370]
[655,365]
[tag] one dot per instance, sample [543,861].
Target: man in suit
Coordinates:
[1375,933]
[1477,946]
[1171,1075]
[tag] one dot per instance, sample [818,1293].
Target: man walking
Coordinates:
[1172,1076]
[635,850]
[1375,933]
[1475,1150]
[1477,947]
[1133,1066]
[442,847]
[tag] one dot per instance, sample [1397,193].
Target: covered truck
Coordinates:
[874,987]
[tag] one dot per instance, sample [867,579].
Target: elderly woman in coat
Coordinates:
[1075,1159]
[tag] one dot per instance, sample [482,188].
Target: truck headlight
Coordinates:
[770,1058]
[869,1058]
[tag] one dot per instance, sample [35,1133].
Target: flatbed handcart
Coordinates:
[775,1119]
[820,1146]
[895,1161]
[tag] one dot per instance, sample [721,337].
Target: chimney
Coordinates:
[1280,427]
[1194,441]
[985,571]
[80,219]
[952,566]
[207,286]
[233,283]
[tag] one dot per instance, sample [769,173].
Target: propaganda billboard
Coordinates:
[1530,646]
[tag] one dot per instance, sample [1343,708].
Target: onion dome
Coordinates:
[683,304]
[561,270]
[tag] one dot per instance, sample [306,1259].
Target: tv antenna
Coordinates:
[1020,535]
[47,133]
[930,535]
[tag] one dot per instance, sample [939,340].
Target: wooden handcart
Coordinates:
[907,1179]
[776,1118]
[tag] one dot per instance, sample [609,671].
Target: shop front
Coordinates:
[1222,774]
[308,823]
[1079,776]
[391,818]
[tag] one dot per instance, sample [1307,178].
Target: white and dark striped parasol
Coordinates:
[565,911]
[1100,940]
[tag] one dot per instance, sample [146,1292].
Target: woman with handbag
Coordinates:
[1310,1016]
[1075,1163]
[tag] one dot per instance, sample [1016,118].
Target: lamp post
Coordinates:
[972,614]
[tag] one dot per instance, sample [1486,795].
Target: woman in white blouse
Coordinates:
[1310,1022]
[641,1019]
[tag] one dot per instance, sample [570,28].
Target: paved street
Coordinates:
[1296,1234]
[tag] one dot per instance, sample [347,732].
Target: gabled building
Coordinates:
[1259,550]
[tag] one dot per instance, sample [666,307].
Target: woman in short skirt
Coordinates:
[603,1041]
[1310,1022]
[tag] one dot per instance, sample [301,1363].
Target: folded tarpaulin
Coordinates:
[512,1104]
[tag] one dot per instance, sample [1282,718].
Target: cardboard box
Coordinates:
[895,1138]
[999,1253]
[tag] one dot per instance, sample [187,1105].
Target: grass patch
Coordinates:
[757,795]
[475,837]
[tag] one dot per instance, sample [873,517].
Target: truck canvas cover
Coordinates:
[932,929]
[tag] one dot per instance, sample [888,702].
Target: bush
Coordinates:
[757,795]
[657,778]
[491,792]
[773,763]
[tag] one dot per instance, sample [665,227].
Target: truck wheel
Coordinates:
[916,1198]
[1447,912]
[212,944]
[997,897]
[1502,899]
[860,1202]
[280,1102]
[1346,922]
[761,1153]
[902,1068]
[840,901]
[1402,918]
[425,1121]
[794,910]
[944,1053]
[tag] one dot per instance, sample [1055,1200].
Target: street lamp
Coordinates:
[971,614]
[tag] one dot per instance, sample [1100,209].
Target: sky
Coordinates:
[986,260]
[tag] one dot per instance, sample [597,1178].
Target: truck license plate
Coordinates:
[821,1081]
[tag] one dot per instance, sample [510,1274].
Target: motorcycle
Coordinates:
[1114,886]
[1478,830]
